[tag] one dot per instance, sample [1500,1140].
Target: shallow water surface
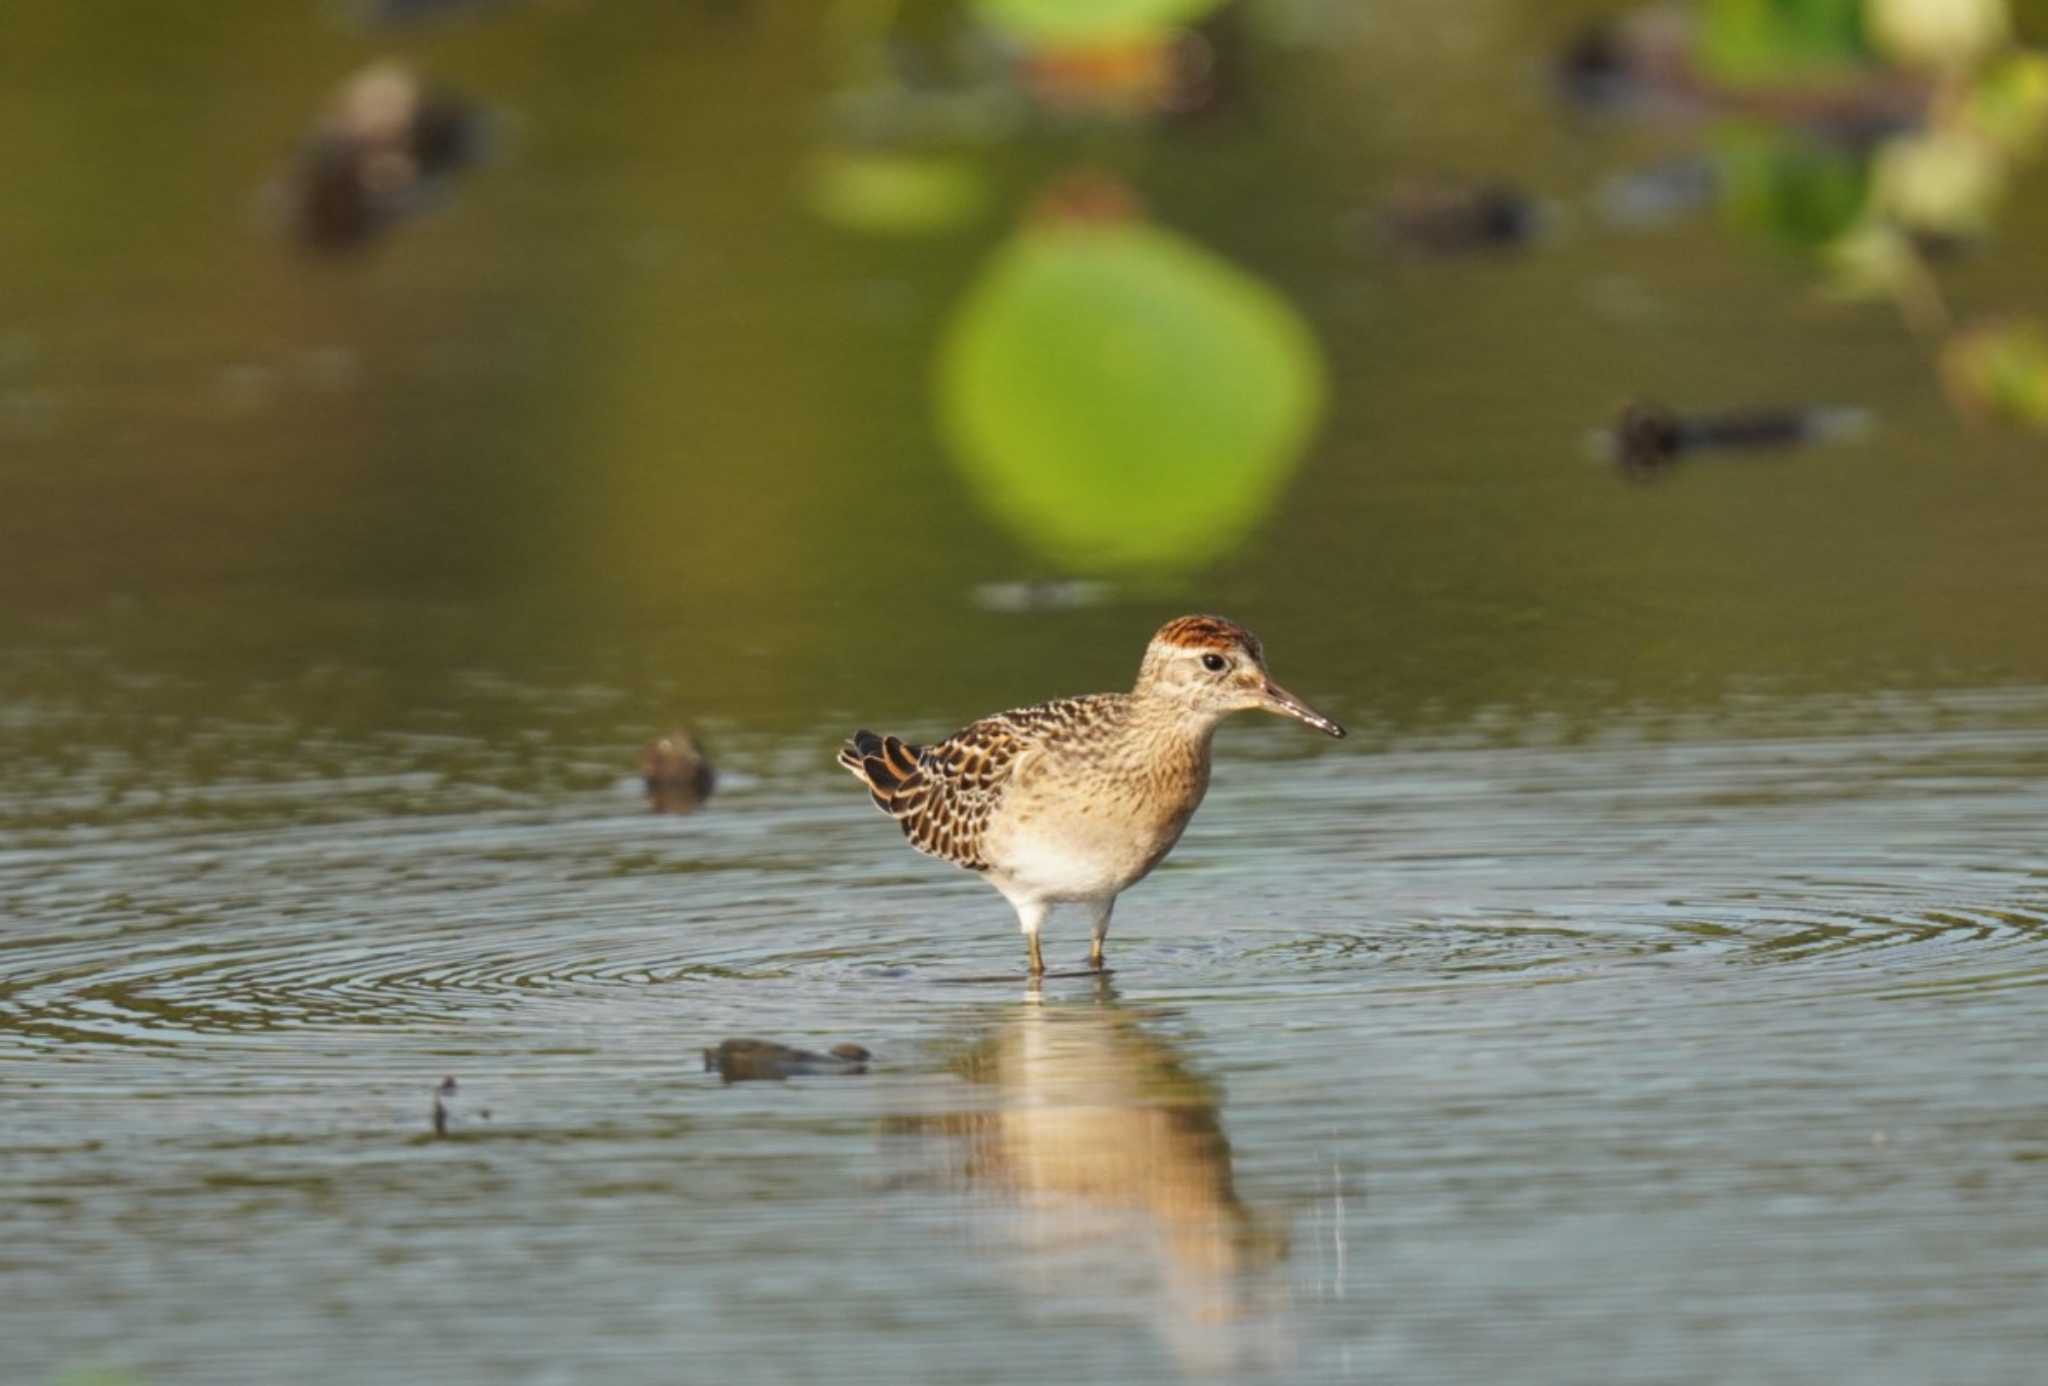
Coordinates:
[1649,1058]
[1649,991]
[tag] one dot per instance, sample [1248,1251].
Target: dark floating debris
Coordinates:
[388,146]
[443,1095]
[1626,60]
[678,774]
[744,1060]
[1649,438]
[1461,219]
[447,1106]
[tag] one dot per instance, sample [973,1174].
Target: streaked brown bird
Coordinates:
[1076,800]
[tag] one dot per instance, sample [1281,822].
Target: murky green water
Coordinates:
[1650,991]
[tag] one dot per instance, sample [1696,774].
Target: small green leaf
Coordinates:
[1090,22]
[1124,399]
[2009,104]
[1875,260]
[1745,42]
[1788,186]
[2001,370]
[895,194]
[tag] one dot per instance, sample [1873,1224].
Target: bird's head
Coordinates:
[1211,668]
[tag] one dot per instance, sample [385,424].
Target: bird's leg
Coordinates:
[1099,932]
[1031,914]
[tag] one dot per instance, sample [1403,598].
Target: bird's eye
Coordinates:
[1215,663]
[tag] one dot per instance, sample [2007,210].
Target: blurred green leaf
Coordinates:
[1123,398]
[1940,33]
[2009,104]
[895,194]
[1086,22]
[2001,370]
[1787,186]
[1757,41]
[1875,260]
[1947,182]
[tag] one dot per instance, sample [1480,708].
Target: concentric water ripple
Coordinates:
[1482,992]
[1855,862]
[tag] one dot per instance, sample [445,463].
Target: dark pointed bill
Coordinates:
[1286,704]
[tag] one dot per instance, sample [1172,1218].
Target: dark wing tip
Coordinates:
[856,749]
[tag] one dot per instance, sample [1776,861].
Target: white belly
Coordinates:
[1080,858]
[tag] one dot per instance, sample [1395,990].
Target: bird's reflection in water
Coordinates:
[1104,1153]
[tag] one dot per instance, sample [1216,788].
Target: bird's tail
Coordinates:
[888,767]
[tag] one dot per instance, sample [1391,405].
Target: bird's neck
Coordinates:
[1171,728]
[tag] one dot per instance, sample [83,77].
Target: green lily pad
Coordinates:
[1123,398]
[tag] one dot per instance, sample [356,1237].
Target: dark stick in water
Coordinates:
[1649,437]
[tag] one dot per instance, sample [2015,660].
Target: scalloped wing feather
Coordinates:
[944,795]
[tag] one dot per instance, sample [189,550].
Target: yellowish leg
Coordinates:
[1030,916]
[1099,933]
